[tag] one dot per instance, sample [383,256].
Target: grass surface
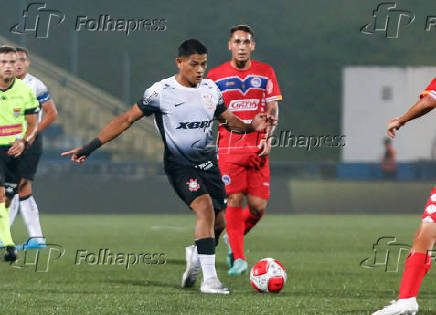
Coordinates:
[322,255]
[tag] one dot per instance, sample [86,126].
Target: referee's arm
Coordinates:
[50,114]
[19,145]
[112,130]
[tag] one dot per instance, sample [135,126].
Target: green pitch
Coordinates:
[322,255]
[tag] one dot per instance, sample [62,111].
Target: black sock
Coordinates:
[25,197]
[205,246]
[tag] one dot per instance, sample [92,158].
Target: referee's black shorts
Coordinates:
[8,167]
[29,159]
[25,166]
[190,183]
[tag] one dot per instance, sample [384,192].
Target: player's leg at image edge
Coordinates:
[5,234]
[417,265]
[13,205]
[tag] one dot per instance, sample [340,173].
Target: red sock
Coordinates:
[235,231]
[417,265]
[250,220]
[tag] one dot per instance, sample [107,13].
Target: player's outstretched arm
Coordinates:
[19,145]
[110,132]
[233,123]
[422,107]
[50,114]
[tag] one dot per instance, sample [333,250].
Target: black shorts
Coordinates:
[8,167]
[189,183]
[29,160]
[12,179]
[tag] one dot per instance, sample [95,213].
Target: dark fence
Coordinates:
[100,166]
[102,187]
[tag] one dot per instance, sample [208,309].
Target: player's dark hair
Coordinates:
[241,27]
[7,49]
[24,50]
[190,47]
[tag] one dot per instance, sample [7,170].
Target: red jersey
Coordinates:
[245,93]
[430,90]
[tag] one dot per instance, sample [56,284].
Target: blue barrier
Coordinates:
[100,164]
[419,171]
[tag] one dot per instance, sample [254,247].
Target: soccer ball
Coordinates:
[268,275]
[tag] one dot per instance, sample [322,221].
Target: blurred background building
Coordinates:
[335,80]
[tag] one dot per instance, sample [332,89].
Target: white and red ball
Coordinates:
[268,275]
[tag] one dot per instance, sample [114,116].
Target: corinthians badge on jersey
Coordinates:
[208,100]
[193,185]
[17,112]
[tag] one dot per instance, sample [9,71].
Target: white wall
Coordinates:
[365,114]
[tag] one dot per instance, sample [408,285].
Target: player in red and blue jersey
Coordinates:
[418,261]
[249,87]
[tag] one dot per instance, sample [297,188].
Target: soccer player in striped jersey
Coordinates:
[24,199]
[418,261]
[249,87]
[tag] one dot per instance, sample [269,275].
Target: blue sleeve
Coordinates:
[42,98]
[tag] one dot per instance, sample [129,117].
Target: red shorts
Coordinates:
[430,209]
[245,173]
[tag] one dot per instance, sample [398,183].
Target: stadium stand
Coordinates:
[84,110]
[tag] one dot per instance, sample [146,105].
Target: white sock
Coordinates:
[29,211]
[208,266]
[13,209]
